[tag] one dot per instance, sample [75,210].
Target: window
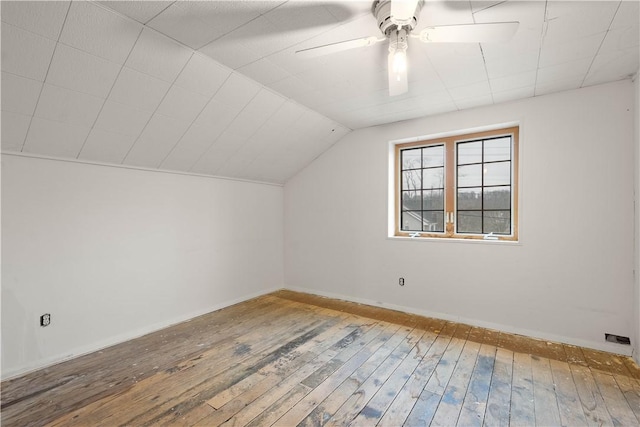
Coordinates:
[463,186]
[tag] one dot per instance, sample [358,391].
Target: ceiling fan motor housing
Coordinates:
[387,24]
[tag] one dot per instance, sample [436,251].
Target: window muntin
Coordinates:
[422,204]
[458,187]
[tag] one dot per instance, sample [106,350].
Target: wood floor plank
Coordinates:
[404,402]
[544,395]
[571,412]
[296,359]
[343,348]
[593,404]
[499,400]
[440,378]
[475,401]
[450,406]
[617,405]
[326,387]
[197,380]
[630,388]
[373,411]
[323,412]
[522,400]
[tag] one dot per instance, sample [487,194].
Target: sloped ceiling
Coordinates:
[215,87]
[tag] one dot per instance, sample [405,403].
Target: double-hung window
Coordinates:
[463,186]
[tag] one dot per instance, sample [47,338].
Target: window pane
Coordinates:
[433,178]
[497,149]
[412,221]
[498,222]
[469,222]
[469,152]
[433,199]
[411,180]
[433,221]
[470,176]
[411,201]
[497,198]
[411,158]
[433,156]
[470,198]
[497,173]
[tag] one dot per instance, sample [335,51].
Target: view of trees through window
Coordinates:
[458,186]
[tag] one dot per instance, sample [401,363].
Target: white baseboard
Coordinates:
[603,346]
[118,339]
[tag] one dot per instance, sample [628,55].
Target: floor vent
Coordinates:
[617,339]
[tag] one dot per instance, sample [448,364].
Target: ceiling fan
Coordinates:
[396,19]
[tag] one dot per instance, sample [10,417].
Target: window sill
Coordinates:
[455,240]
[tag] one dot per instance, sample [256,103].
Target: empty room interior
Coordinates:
[320,212]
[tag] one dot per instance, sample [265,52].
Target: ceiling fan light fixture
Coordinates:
[399,62]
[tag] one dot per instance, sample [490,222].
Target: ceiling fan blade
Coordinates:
[398,82]
[403,11]
[470,33]
[327,49]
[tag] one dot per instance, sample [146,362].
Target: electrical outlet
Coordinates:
[401,281]
[45,319]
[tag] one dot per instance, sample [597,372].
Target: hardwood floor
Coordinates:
[289,359]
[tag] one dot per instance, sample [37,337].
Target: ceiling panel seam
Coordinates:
[600,45]
[157,107]
[24,142]
[545,27]
[195,120]
[222,133]
[115,81]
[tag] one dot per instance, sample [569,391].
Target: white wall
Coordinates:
[113,253]
[636,299]
[569,279]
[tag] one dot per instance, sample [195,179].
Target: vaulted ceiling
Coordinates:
[216,88]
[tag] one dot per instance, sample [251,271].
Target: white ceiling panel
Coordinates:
[89,27]
[514,94]
[620,38]
[217,114]
[203,75]
[233,54]
[158,138]
[141,11]
[626,15]
[122,119]
[213,159]
[558,85]
[264,71]
[513,81]
[506,66]
[67,106]
[106,147]
[182,104]
[558,53]
[19,94]
[237,91]
[183,21]
[458,65]
[138,90]
[158,56]
[566,70]
[566,21]
[14,130]
[216,87]
[77,70]
[613,65]
[24,53]
[44,18]
[50,138]
[195,142]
